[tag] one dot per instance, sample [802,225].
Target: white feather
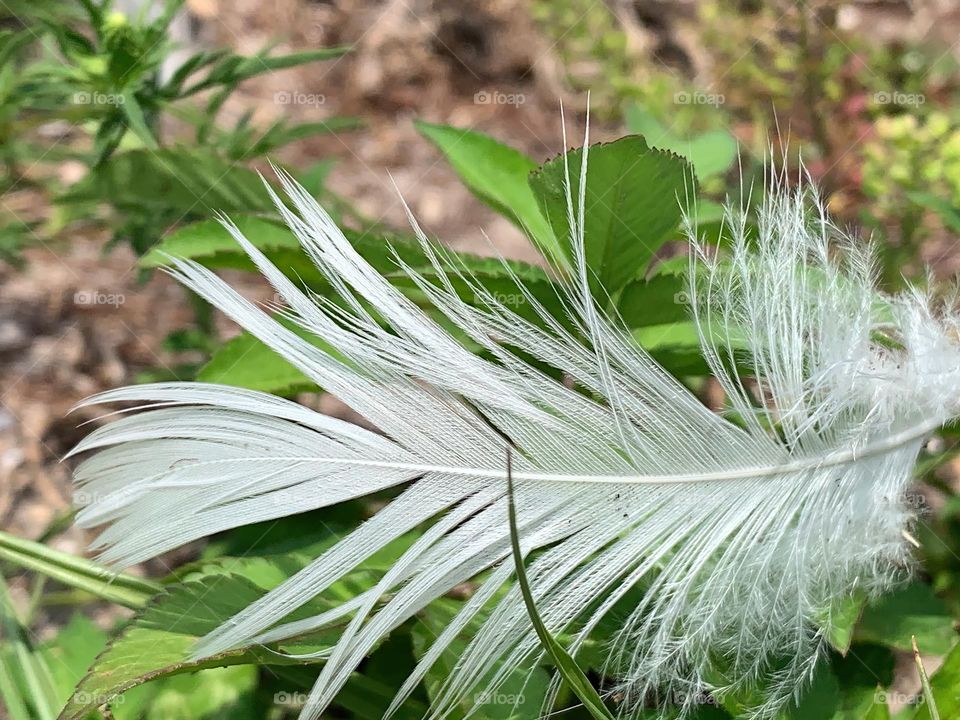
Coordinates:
[745,534]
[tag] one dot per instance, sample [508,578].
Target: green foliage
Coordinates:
[523,692]
[942,691]
[498,175]
[633,205]
[103,73]
[76,572]
[914,611]
[711,153]
[109,73]
[246,362]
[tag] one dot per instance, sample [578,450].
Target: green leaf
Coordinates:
[841,621]
[76,572]
[914,610]
[521,695]
[246,362]
[223,692]
[189,66]
[71,652]
[189,182]
[159,641]
[209,242]
[282,133]
[943,689]
[676,346]
[633,206]
[660,300]
[371,691]
[929,701]
[136,120]
[711,153]
[498,175]
[819,701]
[574,677]
[858,675]
[234,69]
[877,710]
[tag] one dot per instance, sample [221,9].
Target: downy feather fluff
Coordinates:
[745,529]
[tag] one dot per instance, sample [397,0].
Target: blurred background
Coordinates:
[108,142]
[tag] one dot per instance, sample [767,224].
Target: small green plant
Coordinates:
[105,73]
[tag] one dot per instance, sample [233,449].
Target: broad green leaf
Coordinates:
[304,533]
[223,692]
[676,346]
[660,300]
[572,675]
[914,610]
[159,641]
[633,206]
[209,241]
[820,700]
[368,694]
[211,244]
[246,362]
[858,675]
[877,710]
[498,175]
[842,688]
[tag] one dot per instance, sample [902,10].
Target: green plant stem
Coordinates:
[571,673]
[925,682]
[77,572]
